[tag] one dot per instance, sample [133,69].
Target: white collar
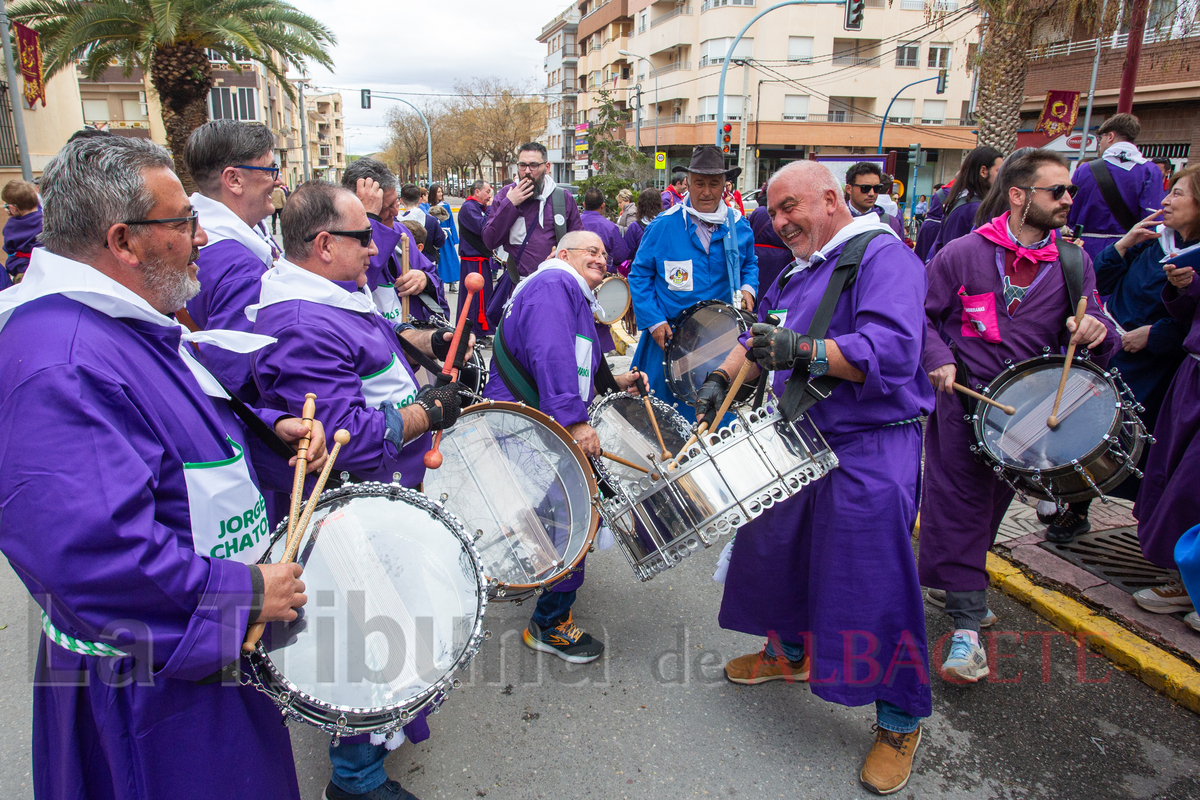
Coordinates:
[413,213]
[286,281]
[1124,155]
[867,222]
[220,223]
[550,265]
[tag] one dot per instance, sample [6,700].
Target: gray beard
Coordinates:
[171,287]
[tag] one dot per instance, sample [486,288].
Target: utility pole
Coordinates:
[743,159]
[1087,115]
[637,119]
[1133,56]
[14,96]
[303,128]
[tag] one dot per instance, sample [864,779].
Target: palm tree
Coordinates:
[170,41]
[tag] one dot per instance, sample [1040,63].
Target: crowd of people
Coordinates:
[176,340]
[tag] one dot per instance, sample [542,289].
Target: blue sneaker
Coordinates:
[967,662]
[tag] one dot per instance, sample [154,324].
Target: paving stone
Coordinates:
[1053,568]
[1166,628]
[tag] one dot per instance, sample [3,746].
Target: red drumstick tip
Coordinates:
[473,282]
[433,459]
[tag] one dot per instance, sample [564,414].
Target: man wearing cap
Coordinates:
[699,249]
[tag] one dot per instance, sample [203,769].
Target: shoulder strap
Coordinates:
[558,204]
[515,377]
[1071,258]
[260,429]
[1111,194]
[604,381]
[474,239]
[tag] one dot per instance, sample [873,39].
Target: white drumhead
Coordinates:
[613,296]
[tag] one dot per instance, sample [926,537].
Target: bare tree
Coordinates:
[506,115]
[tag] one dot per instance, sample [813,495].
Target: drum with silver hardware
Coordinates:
[701,337]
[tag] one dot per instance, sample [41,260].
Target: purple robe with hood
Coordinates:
[1139,184]
[833,567]
[472,216]
[385,266]
[618,253]
[932,225]
[958,223]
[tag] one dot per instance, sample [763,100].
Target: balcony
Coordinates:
[569,51]
[708,5]
[855,61]
[676,66]
[568,87]
[676,119]
[672,14]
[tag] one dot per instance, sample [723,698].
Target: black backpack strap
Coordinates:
[1111,194]
[605,381]
[558,205]
[515,377]
[261,430]
[800,393]
[1071,258]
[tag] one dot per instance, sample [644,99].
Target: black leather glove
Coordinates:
[445,415]
[779,348]
[711,396]
[440,344]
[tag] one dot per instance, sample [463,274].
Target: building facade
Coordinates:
[326,136]
[560,65]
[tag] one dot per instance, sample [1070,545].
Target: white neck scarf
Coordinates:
[549,266]
[718,217]
[286,281]
[1166,239]
[220,223]
[414,213]
[1124,155]
[516,236]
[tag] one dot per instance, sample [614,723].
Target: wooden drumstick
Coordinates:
[653,419]
[307,414]
[985,399]
[474,284]
[622,461]
[736,385]
[404,266]
[1080,312]
[255,631]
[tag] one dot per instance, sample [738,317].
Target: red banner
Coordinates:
[29,57]
[1058,114]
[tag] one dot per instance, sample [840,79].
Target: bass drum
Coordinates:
[701,338]
[613,296]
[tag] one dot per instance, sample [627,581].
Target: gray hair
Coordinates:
[312,208]
[813,176]
[92,184]
[224,143]
[368,168]
[477,185]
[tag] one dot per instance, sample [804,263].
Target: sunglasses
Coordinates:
[363,236]
[1055,191]
[193,218]
[867,188]
[272,171]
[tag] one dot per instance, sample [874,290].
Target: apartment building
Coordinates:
[326,136]
[560,65]
[811,87]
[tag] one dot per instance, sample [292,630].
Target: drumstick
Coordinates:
[620,460]
[738,380]
[255,632]
[403,272]
[985,399]
[653,419]
[1052,422]
[474,284]
[309,410]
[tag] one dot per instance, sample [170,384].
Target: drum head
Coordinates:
[521,488]
[613,296]
[396,600]
[624,428]
[1024,441]
[706,334]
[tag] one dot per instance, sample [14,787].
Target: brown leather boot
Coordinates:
[760,668]
[889,763]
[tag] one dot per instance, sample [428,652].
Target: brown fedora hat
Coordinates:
[708,160]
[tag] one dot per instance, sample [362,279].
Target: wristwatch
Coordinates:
[819,364]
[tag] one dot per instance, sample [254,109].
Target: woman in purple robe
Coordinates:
[649,206]
[970,186]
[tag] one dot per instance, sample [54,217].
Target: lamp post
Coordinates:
[428,133]
[893,100]
[18,112]
[628,54]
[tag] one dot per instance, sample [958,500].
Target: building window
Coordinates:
[642,23]
[934,112]
[713,51]
[708,108]
[907,54]
[795,107]
[939,56]
[800,49]
[96,111]
[232,103]
[902,112]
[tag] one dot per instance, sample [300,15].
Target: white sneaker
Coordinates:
[1193,621]
[1169,598]
[967,662]
[937,597]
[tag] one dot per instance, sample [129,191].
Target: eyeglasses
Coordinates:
[530,167]
[363,236]
[595,252]
[1055,191]
[867,188]
[273,171]
[193,218]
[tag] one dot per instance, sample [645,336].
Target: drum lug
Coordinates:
[487,634]
[1088,477]
[396,478]
[345,476]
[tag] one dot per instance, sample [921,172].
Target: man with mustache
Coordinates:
[830,572]
[998,295]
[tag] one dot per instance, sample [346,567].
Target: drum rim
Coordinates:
[1010,374]
[580,457]
[602,402]
[686,314]
[400,714]
[628,300]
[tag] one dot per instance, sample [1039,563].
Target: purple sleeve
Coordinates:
[940,301]
[642,273]
[500,219]
[1151,192]
[386,238]
[1182,305]
[110,565]
[620,250]
[548,350]
[897,225]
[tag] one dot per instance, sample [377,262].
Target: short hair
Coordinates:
[410,193]
[679,178]
[593,198]
[1019,169]
[573,239]
[420,235]
[312,208]
[625,195]
[368,168]
[1192,173]
[92,184]
[1125,126]
[530,147]
[21,194]
[224,143]
[478,186]
[87,133]
[863,168]
[649,203]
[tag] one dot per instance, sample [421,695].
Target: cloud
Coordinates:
[424,48]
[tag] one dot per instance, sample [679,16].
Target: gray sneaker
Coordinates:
[1193,621]
[1169,598]
[937,597]
[967,662]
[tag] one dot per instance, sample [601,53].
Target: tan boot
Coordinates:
[889,763]
[760,668]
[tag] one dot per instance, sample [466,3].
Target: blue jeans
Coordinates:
[888,716]
[552,607]
[358,768]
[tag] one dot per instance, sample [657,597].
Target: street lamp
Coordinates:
[628,54]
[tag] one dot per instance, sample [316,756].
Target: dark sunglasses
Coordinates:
[273,171]
[193,218]
[1055,191]
[363,236]
[867,188]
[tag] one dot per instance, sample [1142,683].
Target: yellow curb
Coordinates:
[1149,663]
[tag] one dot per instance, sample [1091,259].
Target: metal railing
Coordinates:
[728,117]
[672,67]
[675,119]
[708,5]
[675,12]
[931,121]
[1116,42]
[856,61]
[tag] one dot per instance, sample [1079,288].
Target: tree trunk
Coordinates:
[179,127]
[182,76]
[1002,69]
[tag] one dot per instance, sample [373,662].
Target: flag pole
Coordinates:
[14,96]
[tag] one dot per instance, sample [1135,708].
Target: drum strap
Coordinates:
[1111,194]
[801,393]
[1071,258]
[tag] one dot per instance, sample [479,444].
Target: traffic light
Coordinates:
[366,98]
[941,82]
[726,135]
[914,153]
[854,14]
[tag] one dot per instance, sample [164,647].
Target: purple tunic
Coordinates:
[931,226]
[539,234]
[20,237]
[1168,503]
[122,558]
[633,239]
[1141,188]
[472,216]
[329,351]
[957,224]
[610,234]
[963,502]
[833,567]
[773,254]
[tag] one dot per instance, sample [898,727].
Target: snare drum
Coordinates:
[701,338]
[614,298]
[396,602]
[1097,443]
[523,489]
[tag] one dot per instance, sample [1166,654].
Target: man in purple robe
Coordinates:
[525,219]
[145,595]
[331,341]
[614,244]
[676,190]
[1138,181]
[549,328]
[773,254]
[474,255]
[233,164]
[829,573]
[996,296]
[864,186]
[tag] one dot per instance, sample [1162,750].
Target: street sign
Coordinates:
[581,174]
[660,160]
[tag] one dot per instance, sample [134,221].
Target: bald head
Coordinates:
[584,251]
[806,206]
